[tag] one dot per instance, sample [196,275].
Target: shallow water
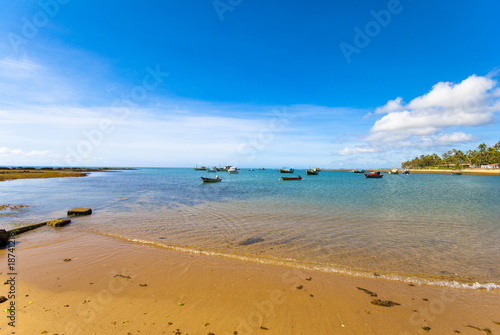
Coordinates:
[440,228]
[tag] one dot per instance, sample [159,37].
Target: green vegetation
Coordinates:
[457,159]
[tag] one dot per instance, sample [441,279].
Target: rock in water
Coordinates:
[4,237]
[58,223]
[79,211]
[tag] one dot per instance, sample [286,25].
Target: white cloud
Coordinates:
[469,103]
[441,117]
[7,151]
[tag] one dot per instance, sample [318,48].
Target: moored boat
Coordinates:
[287,170]
[211,180]
[373,175]
[233,170]
[201,168]
[394,171]
[406,171]
[291,178]
[358,171]
[312,172]
[456,173]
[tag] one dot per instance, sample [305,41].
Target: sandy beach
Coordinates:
[72,282]
[470,171]
[478,172]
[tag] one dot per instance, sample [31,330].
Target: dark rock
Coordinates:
[4,237]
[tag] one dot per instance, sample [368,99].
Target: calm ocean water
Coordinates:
[438,228]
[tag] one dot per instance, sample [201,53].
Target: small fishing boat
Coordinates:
[394,171]
[225,168]
[312,172]
[373,175]
[201,168]
[291,178]
[406,171]
[211,180]
[287,170]
[233,170]
[212,169]
[358,171]
[456,173]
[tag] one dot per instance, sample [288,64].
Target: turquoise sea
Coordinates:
[438,229]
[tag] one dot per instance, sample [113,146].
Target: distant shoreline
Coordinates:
[479,172]
[12,173]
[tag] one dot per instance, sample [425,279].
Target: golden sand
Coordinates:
[69,282]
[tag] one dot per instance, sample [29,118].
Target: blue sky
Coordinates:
[336,84]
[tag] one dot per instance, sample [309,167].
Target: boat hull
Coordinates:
[210,180]
[291,178]
[377,175]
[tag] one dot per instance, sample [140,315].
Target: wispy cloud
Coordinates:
[446,139]
[358,150]
[26,81]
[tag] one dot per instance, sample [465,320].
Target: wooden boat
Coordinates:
[287,170]
[373,175]
[456,173]
[211,180]
[312,172]
[358,171]
[291,178]
[394,171]
[406,171]
[212,169]
[201,168]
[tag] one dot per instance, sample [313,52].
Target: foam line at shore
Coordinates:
[292,263]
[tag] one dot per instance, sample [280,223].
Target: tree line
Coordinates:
[483,155]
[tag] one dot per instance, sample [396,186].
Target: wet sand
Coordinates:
[71,282]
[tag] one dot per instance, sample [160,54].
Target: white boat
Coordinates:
[233,170]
